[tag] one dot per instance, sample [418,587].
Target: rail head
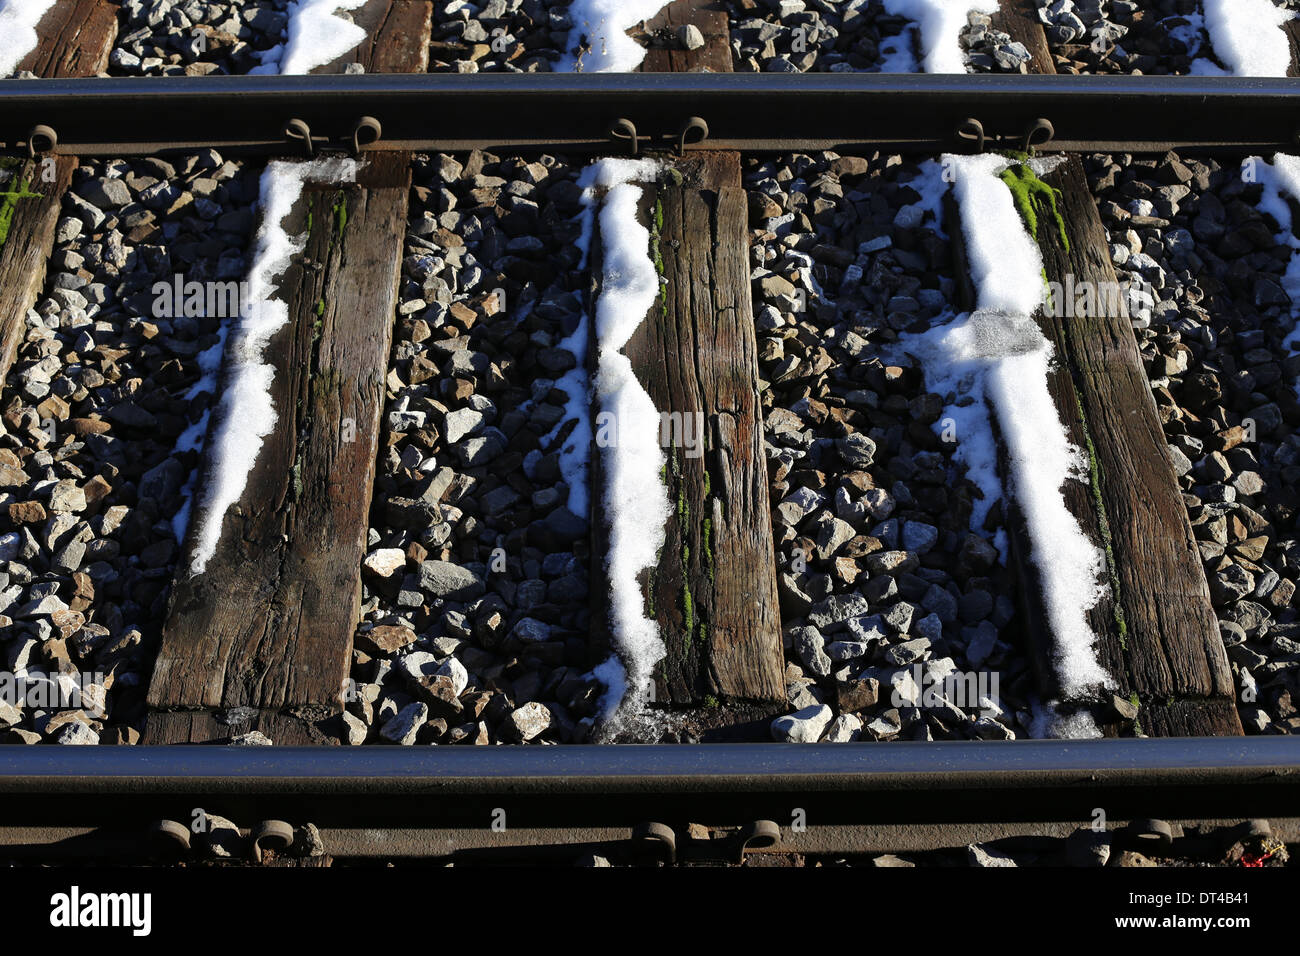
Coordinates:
[577,112]
[721,768]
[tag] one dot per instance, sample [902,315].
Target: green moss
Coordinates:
[1033,198]
[340,216]
[320,306]
[9,200]
[656,253]
[1133,699]
[688,618]
[711,701]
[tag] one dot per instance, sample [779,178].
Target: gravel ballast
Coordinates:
[1224,385]
[195,37]
[92,410]
[477,574]
[880,577]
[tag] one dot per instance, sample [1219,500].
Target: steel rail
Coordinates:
[576,112]
[415,801]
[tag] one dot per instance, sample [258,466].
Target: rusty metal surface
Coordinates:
[436,801]
[576,112]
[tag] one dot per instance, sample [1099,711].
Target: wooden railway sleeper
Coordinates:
[693,130]
[1039,133]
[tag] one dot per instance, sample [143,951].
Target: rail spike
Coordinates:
[623,129]
[297,130]
[41,139]
[366,132]
[694,130]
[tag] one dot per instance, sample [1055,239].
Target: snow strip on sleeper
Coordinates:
[604,24]
[18,20]
[940,23]
[1247,38]
[635,500]
[1282,180]
[245,413]
[315,37]
[996,360]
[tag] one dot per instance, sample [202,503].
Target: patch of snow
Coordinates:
[1247,38]
[604,24]
[995,362]
[1047,722]
[1190,33]
[635,500]
[613,675]
[245,413]
[941,23]
[192,438]
[931,185]
[18,21]
[1280,180]
[896,53]
[576,383]
[315,37]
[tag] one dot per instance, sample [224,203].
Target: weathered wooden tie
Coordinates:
[1157,631]
[713,592]
[393,29]
[74,40]
[264,634]
[667,56]
[269,624]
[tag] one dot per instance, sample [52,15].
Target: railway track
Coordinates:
[325,423]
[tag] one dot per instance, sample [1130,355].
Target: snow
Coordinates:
[635,500]
[315,37]
[245,413]
[1191,33]
[1246,37]
[941,23]
[931,186]
[995,362]
[191,439]
[896,53]
[18,20]
[576,383]
[1280,180]
[1048,722]
[605,24]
